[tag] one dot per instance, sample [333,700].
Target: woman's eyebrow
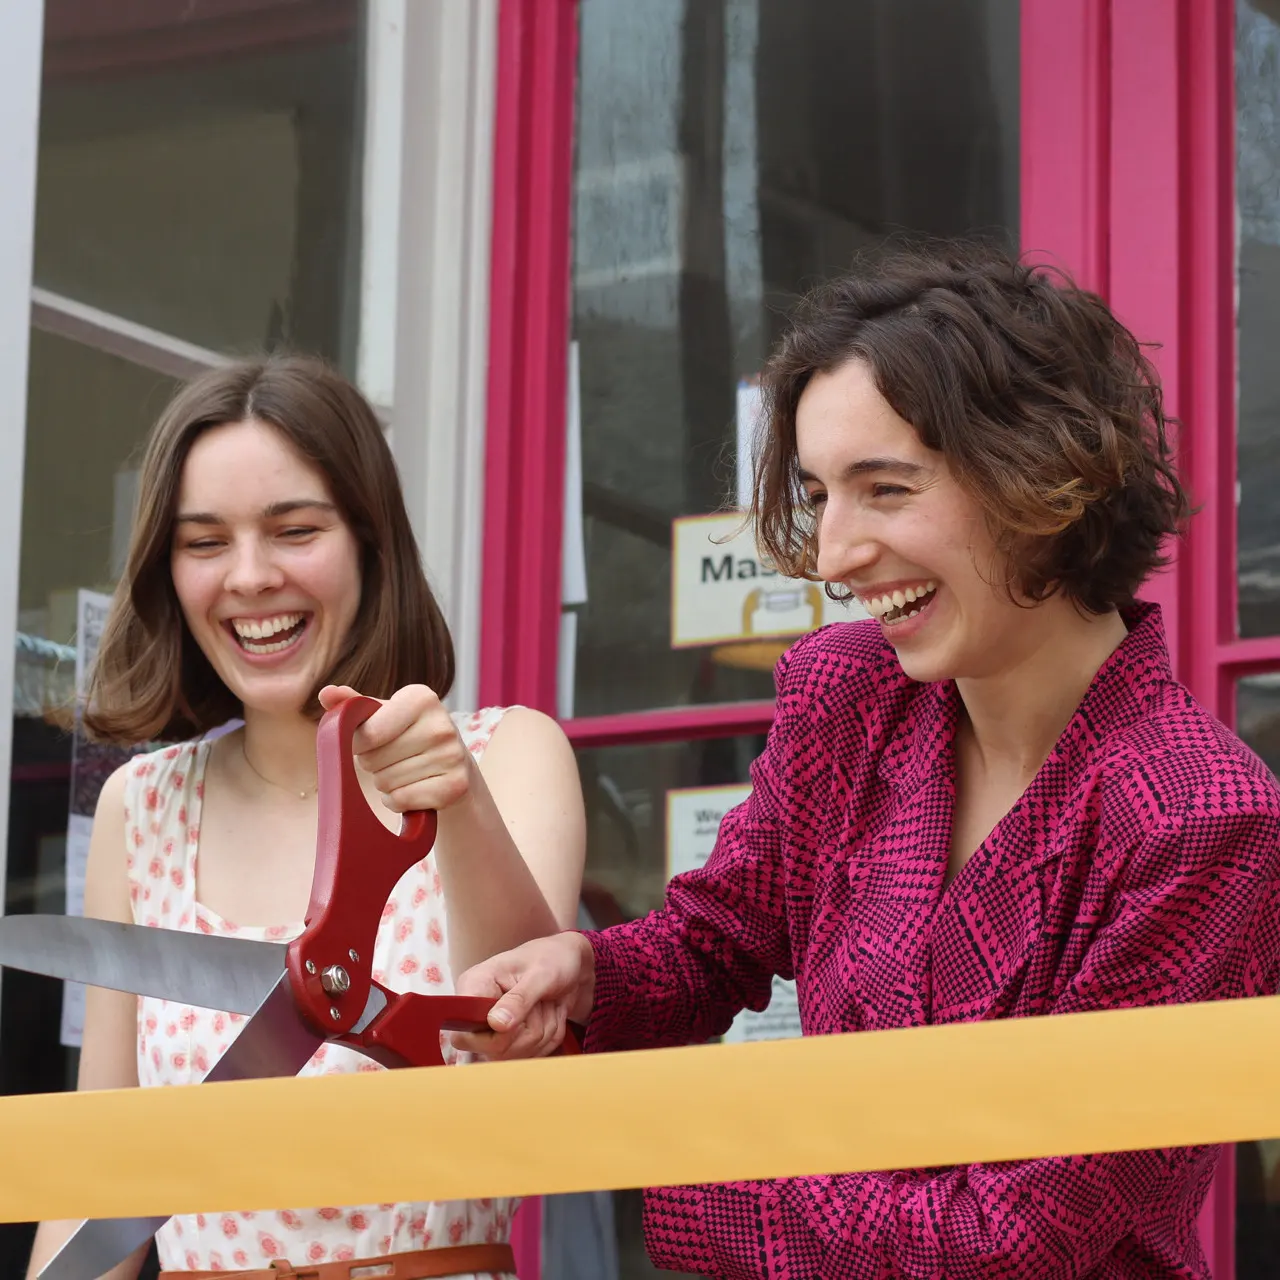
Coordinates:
[298,504]
[865,466]
[275,509]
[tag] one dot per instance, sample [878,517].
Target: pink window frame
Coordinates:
[528,366]
[1127,162]
[1128,180]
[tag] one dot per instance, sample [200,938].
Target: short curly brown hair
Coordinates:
[1041,401]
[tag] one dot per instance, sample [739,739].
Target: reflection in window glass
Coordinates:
[626,792]
[198,168]
[1258,1163]
[88,414]
[198,174]
[729,155]
[1258,200]
[627,839]
[96,409]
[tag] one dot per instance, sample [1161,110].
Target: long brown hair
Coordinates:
[1042,402]
[151,681]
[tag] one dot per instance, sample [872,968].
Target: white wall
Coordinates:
[442,312]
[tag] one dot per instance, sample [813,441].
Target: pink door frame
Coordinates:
[1127,183]
[1128,126]
[537,67]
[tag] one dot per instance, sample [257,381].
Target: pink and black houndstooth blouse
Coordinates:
[1142,866]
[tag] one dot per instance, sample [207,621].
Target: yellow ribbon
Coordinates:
[959,1094]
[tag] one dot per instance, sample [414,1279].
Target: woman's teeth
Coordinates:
[257,635]
[895,606]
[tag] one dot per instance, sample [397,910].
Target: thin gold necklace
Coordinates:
[302,795]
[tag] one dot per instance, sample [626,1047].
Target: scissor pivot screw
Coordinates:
[311,966]
[335,980]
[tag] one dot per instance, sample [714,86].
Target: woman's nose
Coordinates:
[844,547]
[252,570]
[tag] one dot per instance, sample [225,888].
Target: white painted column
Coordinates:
[442,312]
[380,200]
[20,57]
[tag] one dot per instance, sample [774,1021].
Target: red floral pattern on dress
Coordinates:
[178,1044]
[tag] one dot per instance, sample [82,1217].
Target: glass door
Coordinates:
[198,196]
[1255,575]
[725,156]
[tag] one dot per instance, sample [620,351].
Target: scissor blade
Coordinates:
[231,975]
[97,1246]
[276,1041]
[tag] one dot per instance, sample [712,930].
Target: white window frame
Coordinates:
[116,336]
[21,52]
[442,304]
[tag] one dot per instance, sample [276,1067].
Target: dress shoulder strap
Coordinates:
[162,794]
[477,727]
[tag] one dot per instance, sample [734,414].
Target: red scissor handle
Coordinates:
[407,1032]
[358,864]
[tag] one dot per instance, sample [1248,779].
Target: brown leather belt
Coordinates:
[425,1264]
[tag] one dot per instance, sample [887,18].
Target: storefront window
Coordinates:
[651,810]
[728,156]
[198,196]
[1258,1163]
[1258,448]
[629,826]
[1258,221]
[198,169]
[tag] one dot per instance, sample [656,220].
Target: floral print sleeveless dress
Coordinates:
[177,1044]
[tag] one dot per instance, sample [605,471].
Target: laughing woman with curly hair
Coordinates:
[990,800]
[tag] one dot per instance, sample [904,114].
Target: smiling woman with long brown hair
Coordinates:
[272,573]
[991,800]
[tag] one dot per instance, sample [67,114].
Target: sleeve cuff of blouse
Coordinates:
[675,1231]
[602,1024]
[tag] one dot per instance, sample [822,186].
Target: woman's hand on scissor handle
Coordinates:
[539,988]
[411,749]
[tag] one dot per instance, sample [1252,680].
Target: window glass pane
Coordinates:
[198,168]
[626,794]
[88,414]
[1258,201]
[729,154]
[643,803]
[1258,1163]
[95,409]
[199,175]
